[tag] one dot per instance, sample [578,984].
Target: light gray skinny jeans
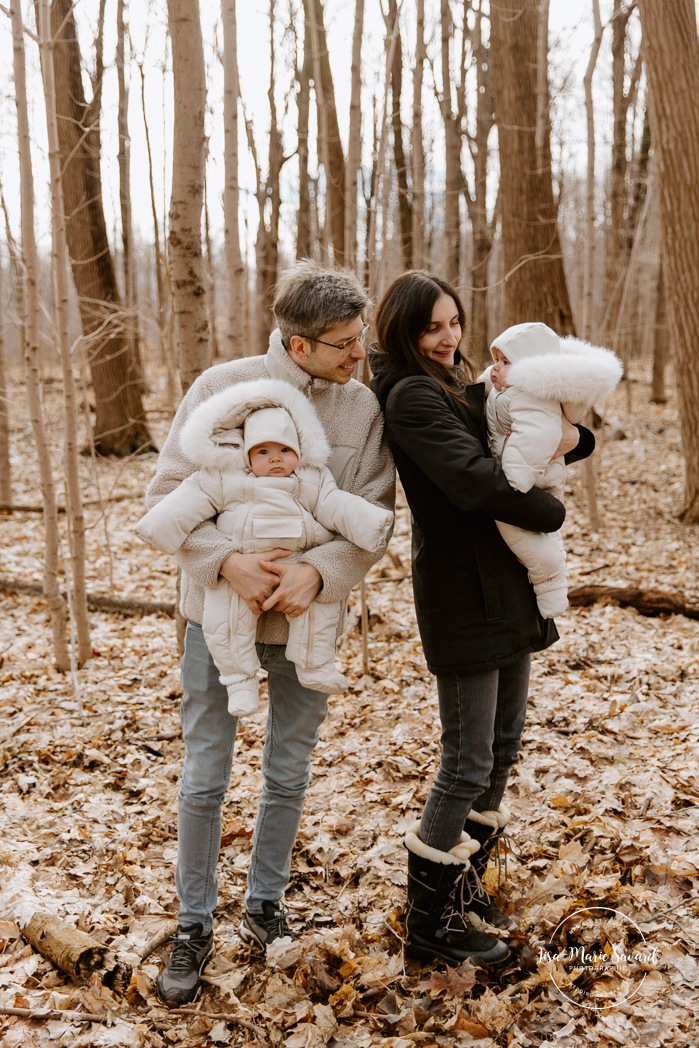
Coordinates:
[293,722]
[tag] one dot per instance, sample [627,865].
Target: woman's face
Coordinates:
[443,333]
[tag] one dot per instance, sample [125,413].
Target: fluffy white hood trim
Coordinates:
[213,433]
[580,374]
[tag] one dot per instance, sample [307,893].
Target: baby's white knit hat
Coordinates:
[270,424]
[526,340]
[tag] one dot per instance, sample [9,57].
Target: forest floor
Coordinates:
[605,799]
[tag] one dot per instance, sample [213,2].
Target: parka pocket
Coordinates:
[490,579]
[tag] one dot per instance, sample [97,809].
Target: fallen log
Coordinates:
[36,507]
[126,606]
[648,602]
[76,953]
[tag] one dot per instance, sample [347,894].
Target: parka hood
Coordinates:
[213,434]
[578,376]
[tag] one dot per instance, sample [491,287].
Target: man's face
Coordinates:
[325,361]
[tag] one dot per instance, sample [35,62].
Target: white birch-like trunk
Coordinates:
[30,303]
[590,232]
[354,148]
[168,355]
[188,279]
[5,465]
[238,344]
[60,258]
[589,474]
[417,150]
[453,183]
[124,163]
[380,172]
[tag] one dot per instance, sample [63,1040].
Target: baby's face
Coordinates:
[272,460]
[499,370]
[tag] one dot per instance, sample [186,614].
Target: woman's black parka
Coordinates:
[476,609]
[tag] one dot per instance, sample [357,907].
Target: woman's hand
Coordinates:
[570,437]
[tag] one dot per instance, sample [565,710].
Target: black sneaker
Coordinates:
[267,926]
[180,981]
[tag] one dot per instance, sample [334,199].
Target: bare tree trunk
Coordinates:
[618,240]
[417,144]
[5,464]
[74,509]
[167,350]
[120,425]
[482,233]
[369,190]
[535,284]
[672,56]
[304,75]
[124,163]
[268,203]
[329,128]
[189,290]
[237,342]
[590,232]
[354,148]
[404,202]
[210,265]
[379,178]
[454,181]
[661,343]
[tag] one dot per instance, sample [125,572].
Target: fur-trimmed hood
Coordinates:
[579,374]
[213,433]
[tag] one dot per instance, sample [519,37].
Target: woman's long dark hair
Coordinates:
[403,315]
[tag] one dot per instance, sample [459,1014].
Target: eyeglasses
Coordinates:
[345,347]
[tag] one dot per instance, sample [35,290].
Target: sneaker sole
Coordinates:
[246,933]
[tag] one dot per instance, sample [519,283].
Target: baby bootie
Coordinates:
[322,678]
[243,693]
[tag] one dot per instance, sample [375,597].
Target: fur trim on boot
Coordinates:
[435,924]
[487,827]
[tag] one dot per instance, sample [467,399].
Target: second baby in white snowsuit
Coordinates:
[262,452]
[538,378]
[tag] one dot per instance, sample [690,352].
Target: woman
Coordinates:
[476,609]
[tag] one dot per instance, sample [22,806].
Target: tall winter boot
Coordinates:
[487,828]
[435,924]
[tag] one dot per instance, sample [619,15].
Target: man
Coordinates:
[316,347]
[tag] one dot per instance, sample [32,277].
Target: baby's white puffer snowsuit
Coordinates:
[548,375]
[296,513]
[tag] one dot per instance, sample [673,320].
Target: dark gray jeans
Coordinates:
[482,722]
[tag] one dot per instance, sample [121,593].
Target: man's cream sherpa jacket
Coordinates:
[360,463]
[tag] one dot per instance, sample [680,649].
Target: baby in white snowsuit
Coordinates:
[538,378]
[262,452]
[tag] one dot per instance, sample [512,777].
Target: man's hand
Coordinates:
[570,437]
[299,584]
[252,578]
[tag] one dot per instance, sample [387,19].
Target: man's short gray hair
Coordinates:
[310,299]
